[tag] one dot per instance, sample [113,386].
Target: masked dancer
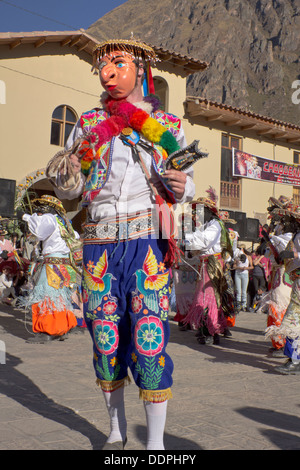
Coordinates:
[117,163]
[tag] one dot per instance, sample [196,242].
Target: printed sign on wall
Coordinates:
[250,166]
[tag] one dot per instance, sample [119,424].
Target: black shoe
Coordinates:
[278,353]
[76,330]
[201,339]
[41,338]
[209,339]
[289,368]
[183,326]
[227,333]
[216,339]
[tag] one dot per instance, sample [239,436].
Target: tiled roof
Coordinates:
[244,119]
[84,41]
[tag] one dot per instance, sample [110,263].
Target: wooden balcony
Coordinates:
[230,195]
[296,195]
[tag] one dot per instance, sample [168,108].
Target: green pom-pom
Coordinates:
[168,142]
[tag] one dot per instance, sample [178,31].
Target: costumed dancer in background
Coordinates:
[6,245]
[57,279]
[277,299]
[212,240]
[11,259]
[185,275]
[229,303]
[289,329]
[117,162]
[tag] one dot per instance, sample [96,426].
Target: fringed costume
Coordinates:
[212,240]
[279,292]
[289,329]
[280,285]
[57,277]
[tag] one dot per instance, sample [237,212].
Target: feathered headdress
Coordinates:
[211,201]
[212,194]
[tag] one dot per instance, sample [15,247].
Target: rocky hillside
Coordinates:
[253,46]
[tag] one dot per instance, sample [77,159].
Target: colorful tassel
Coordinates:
[124,114]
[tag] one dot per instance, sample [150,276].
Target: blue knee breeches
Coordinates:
[125,292]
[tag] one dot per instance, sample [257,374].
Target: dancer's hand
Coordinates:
[176,181]
[75,162]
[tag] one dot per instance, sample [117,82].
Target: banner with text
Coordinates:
[250,166]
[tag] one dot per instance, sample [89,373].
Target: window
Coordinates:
[228,143]
[296,189]
[230,191]
[63,121]
[161,90]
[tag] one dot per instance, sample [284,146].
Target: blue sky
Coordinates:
[52,15]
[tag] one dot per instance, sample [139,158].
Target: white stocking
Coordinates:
[116,410]
[156,414]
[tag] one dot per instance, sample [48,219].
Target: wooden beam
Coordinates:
[280,135]
[248,127]
[196,112]
[40,42]
[83,46]
[215,117]
[15,44]
[75,41]
[234,122]
[66,41]
[269,130]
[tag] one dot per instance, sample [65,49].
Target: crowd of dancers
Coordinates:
[218,277]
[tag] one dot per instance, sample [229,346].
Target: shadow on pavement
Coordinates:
[16,322]
[280,421]
[20,388]
[253,353]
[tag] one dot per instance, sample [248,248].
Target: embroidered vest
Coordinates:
[74,244]
[100,169]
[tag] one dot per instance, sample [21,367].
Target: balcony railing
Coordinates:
[296,196]
[230,195]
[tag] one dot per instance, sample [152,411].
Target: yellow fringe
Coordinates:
[156,396]
[111,386]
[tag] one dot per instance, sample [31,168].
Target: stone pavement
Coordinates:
[225,397]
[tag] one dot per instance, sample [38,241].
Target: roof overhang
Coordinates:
[82,41]
[245,120]
[77,39]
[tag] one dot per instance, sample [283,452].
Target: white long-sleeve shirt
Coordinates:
[126,190]
[280,243]
[206,239]
[46,229]
[5,282]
